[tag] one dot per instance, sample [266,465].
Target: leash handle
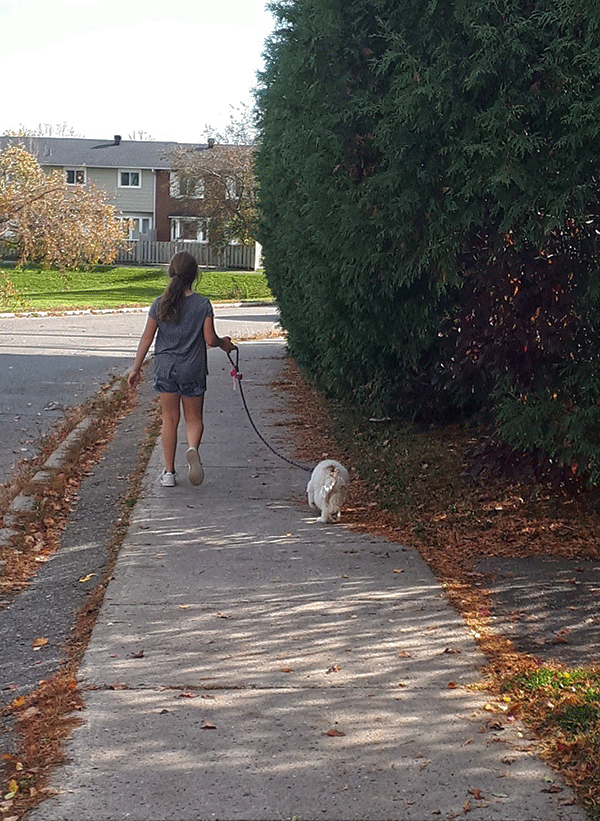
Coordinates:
[235,371]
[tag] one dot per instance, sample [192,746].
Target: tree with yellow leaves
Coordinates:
[48,221]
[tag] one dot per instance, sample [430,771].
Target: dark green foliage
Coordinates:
[430,211]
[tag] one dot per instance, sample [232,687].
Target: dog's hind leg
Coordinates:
[326,512]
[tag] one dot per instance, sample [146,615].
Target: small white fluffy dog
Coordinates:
[327,489]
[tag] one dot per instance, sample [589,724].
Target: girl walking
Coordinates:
[183,324]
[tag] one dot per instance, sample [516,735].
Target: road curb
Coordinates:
[134,310]
[25,502]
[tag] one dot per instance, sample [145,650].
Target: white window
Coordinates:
[233,188]
[139,226]
[130,179]
[189,229]
[186,185]
[75,176]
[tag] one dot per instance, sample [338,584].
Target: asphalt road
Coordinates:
[52,363]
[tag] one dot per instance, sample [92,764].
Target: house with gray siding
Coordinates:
[135,174]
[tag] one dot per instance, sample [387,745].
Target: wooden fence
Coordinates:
[231,257]
[145,252]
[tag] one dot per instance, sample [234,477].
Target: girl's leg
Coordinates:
[193,408]
[169,404]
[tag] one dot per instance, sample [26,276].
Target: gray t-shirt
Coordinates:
[181,349]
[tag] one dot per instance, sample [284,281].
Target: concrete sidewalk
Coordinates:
[251,664]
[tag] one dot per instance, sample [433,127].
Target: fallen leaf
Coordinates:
[41,642]
[333,733]
[403,654]
[287,669]
[206,725]
[477,794]
[452,651]
[452,685]
[87,578]
[495,725]
[139,655]
[563,747]
[335,668]
[398,570]
[467,806]
[188,695]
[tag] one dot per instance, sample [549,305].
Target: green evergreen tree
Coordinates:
[429,195]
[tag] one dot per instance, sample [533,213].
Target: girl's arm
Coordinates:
[148,334]
[214,341]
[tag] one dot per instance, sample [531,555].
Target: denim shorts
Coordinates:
[171,382]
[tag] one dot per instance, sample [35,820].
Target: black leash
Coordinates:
[235,373]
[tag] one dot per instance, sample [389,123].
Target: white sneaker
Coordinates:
[167,479]
[195,471]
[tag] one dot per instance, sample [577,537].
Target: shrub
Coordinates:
[428,189]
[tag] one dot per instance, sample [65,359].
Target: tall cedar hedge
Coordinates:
[428,182]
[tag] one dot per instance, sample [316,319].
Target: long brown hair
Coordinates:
[183,270]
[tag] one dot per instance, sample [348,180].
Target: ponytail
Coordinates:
[183,270]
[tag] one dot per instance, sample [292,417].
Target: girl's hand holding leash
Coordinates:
[227,345]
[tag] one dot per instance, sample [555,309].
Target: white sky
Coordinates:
[105,67]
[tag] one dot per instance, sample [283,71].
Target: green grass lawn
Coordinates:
[33,288]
